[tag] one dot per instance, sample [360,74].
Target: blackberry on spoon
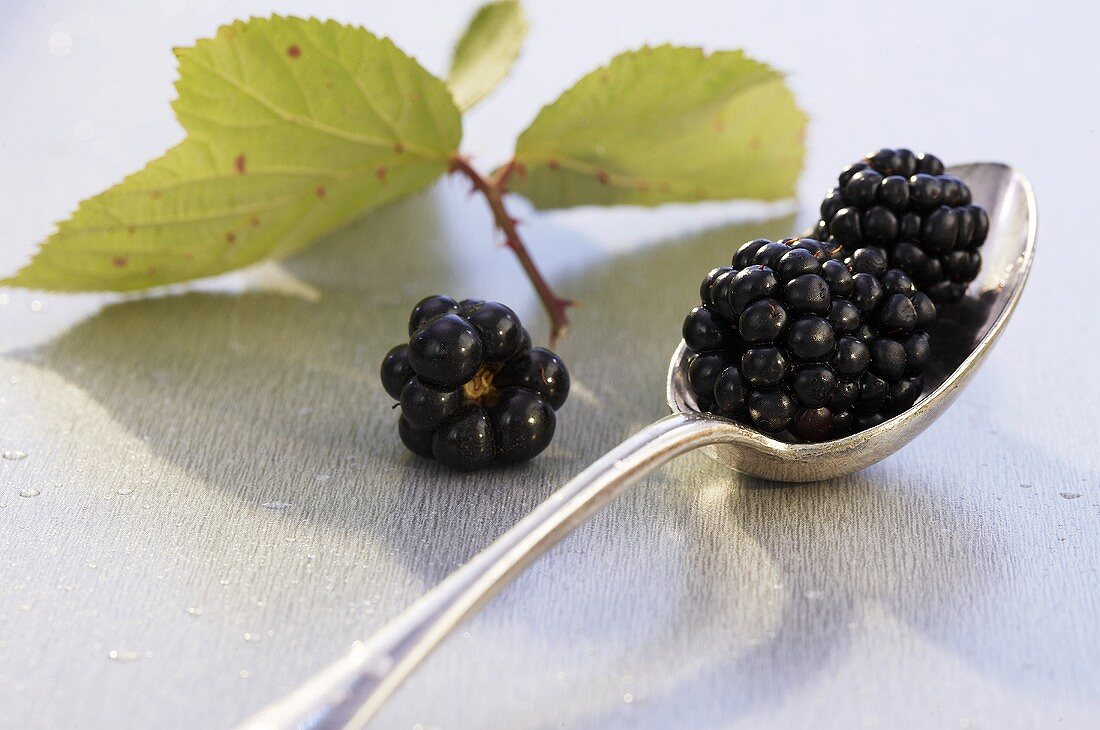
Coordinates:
[790,340]
[921,218]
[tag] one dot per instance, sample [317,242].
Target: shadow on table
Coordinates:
[869,548]
[873,547]
[262,394]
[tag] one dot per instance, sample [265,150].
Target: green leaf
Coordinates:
[662,125]
[485,53]
[295,127]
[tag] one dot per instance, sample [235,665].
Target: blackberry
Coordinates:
[922,220]
[471,388]
[792,341]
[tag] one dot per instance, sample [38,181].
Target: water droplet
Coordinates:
[29,492]
[322,478]
[292,539]
[194,611]
[1070,495]
[122,655]
[125,491]
[60,43]
[277,505]
[36,306]
[249,636]
[14,455]
[628,698]
[245,674]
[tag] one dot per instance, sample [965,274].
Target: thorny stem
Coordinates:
[494,188]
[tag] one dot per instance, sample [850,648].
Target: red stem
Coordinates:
[494,189]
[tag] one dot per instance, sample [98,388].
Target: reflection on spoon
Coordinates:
[350,691]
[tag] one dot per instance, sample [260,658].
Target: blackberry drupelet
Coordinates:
[793,341]
[471,388]
[922,219]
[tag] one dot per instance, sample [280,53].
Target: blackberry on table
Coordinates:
[792,341]
[471,388]
[922,220]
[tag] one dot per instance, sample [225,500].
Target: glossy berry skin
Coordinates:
[396,370]
[704,330]
[472,390]
[498,327]
[429,308]
[540,371]
[418,442]
[426,406]
[922,220]
[801,345]
[446,350]
[523,425]
[466,441]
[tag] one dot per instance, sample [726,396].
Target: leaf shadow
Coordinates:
[261,394]
[275,398]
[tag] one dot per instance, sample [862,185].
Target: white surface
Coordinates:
[954,585]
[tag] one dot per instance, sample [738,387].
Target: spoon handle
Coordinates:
[350,691]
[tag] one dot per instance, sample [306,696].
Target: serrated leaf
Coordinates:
[295,127]
[485,53]
[661,125]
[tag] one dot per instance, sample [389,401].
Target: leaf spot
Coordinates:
[320,192]
[399,148]
[240,163]
[754,143]
[155,194]
[414,96]
[230,238]
[603,177]
[380,172]
[119,261]
[255,221]
[130,230]
[553,163]
[643,186]
[151,271]
[293,51]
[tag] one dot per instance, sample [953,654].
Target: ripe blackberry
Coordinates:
[922,219]
[792,341]
[471,388]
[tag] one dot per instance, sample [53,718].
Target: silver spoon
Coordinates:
[351,690]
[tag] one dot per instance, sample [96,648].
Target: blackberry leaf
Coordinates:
[660,125]
[486,51]
[295,127]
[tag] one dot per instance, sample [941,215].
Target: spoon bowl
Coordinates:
[960,342]
[354,687]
